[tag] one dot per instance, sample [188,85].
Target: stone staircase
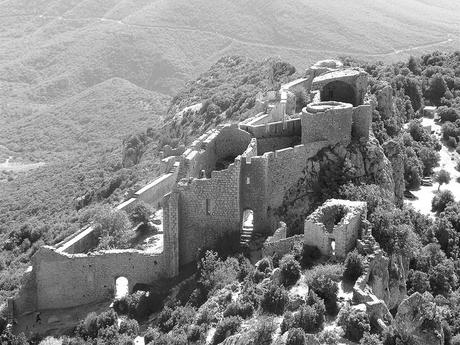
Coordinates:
[246,235]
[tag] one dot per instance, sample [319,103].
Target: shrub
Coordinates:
[243,310]
[327,289]
[129,327]
[353,266]
[309,319]
[329,337]
[225,328]
[354,322]
[140,213]
[274,299]
[290,270]
[441,200]
[296,336]
[151,335]
[264,264]
[195,333]
[263,332]
[370,339]
[214,273]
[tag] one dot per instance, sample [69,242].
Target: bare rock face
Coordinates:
[419,320]
[393,151]
[359,161]
[385,101]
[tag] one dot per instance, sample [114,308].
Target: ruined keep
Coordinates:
[209,189]
[335,226]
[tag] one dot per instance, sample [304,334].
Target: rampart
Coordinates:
[60,280]
[282,246]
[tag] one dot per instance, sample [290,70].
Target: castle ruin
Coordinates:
[230,178]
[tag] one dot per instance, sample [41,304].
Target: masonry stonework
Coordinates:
[207,187]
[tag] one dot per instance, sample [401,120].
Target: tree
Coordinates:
[353,266]
[430,159]
[290,270]
[442,177]
[354,322]
[443,278]
[441,200]
[296,336]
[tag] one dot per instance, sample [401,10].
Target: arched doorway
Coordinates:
[121,287]
[338,91]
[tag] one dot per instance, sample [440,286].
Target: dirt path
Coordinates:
[247,42]
[18,166]
[448,162]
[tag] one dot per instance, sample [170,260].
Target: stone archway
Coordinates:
[339,91]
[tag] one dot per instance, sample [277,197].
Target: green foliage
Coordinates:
[274,299]
[263,332]
[244,310]
[418,281]
[290,270]
[354,322]
[296,336]
[442,177]
[354,264]
[138,305]
[370,339]
[443,278]
[441,200]
[214,273]
[140,213]
[228,326]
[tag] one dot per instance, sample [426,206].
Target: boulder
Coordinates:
[419,319]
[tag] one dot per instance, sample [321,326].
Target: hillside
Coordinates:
[94,119]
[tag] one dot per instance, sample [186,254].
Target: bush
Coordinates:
[243,310]
[309,319]
[263,332]
[274,299]
[370,339]
[296,336]
[354,322]
[353,266]
[129,327]
[140,213]
[264,265]
[225,328]
[327,289]
[290,270]
[441,200]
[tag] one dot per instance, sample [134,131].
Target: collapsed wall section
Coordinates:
[275,135]
[214,151]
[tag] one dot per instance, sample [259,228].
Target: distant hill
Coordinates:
[94,119]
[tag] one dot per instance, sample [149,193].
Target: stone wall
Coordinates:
[60,280]
[282,246]
[362,120]
[171,232]
[222,142]
[208,210]
[270,176]
[336,220]
[153,192]
[332,125]
[81,242]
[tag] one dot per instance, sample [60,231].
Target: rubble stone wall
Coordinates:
[62,280]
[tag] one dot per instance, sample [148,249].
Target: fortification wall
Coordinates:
[332,125]
[153,192]
[223,142]
[62,280]
[168,151]
[208,210]
[362,119]
[83,242]
[171,232]
[271,175]
[282,246]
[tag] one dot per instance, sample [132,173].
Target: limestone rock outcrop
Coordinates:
[385,101]
[359,161]
[393,151]
[419,320]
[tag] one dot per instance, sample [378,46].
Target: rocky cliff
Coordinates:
[332,167]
